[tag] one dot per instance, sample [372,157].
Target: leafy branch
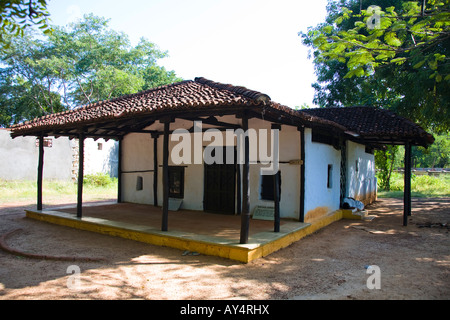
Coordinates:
[18,15]
[387,37]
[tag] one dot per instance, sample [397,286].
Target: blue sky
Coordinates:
[251,43]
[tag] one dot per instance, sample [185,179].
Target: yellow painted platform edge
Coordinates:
[294,236]
[348,214]
[238,253]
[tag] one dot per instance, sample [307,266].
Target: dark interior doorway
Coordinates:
[220,184]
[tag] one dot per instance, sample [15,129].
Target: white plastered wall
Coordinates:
[361,180]
[137,155]
[19,158]
[319,199]
[100,156]
[289,149]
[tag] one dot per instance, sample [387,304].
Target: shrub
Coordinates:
[98,180]
[423,184]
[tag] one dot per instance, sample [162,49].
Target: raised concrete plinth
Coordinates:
[260,244]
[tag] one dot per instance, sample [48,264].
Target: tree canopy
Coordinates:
[395,54]
[18,15]
[75,65]
[436,156]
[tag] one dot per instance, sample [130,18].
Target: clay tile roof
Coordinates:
[201,93]
[184,95]
[374,123]
[251,94]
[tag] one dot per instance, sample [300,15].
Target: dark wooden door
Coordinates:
[220,187]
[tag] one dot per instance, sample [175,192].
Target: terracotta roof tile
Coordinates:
[185,94]
[370,122]
[203,93]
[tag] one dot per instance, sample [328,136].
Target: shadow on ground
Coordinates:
[330,264]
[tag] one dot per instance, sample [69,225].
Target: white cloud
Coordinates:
[74,13]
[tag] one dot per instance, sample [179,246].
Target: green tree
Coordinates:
[98,63]
[27,87]
[436,156]
[389,53]
[75,65]
[385,161]
[18,15]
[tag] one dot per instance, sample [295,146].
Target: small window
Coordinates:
[329,176]
[176,182]
[139,183]
[99,146]
[267,186]
[48,142]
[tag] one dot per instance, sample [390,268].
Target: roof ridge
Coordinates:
[100,103]
[240,90]
[408,126]
[344,107]
[131,95]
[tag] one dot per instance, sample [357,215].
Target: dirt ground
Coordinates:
[414,262]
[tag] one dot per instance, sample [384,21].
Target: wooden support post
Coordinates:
[155,169]
[407,185]
[80,174]
[165,215]
[238,189]
[302,174]
[40,172]
[119,173]
[276,190]
[245,215]
[276,200]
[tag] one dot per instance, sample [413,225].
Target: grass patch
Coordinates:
[95,188]
[421,186]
